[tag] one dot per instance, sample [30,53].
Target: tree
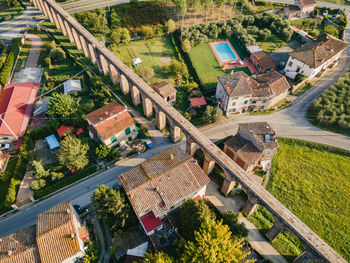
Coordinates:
[56,176]
[146,73]
[40,171]
[212,114]
[213,243]
[125,37]
[147,31]
[207,5]
[231,220]
[186,45]
[196,8]
[170,26]
[220,4]
[73,153]
[57,54]
[111,205]
[332,30]
[37,184]
[102,151]
[192,215]
[176,68]
[62,106]
[116,36]
[159,257]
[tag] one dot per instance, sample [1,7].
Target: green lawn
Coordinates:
[313,181]
[310,25]
[271,43]
[6,12]
[155,53]
[23,55]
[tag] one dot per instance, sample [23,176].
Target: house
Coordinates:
[56,237]
[161,184]
[71,86]
[112,125]
[312,59]
[262,61]
[166,91]
[16,103]
[238,93]
[254,144]
[197,102]
[4,158]
[301,8]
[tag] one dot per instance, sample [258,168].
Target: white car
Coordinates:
[325,13]
[335,16]
[4,146]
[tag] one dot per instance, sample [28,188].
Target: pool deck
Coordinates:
[233,63]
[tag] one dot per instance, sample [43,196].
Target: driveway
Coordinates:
[281,54]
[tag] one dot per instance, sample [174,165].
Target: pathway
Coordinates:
[100,238]
[34,53]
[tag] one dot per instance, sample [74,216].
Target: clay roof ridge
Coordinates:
[188,168]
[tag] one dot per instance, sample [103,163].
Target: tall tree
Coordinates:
[220,4]
[196,8]
[231,220]
[40,171]
[63,107]
[192,215]
[159,257]
[73,153]
[110,204]
[213,243]
[207,5]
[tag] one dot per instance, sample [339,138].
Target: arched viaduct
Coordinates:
[108,63]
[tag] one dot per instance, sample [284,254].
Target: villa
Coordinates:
[238,93]
[313,58]
[161,184]
[301,8]
[262,61]
[112,125]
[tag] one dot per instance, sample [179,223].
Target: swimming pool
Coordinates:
[224,51]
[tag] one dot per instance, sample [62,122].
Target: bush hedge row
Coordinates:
[9,64]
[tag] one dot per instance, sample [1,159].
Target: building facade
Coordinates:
[262,61]
[112,125]
[239,93]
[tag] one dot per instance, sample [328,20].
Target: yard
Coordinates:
[155,53]
[271,43]
[313,181]
[7,13]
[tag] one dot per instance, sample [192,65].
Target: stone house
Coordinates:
[161,184]
[112,125]
[313,58]
[238,93]
[254,144]
[166,91]
[262,61]
[301,8]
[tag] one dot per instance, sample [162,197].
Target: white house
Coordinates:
[312,59]
[238,93]
[112,125]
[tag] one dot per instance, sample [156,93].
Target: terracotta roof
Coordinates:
[316,53]
[57,236]
[259,130]
[244,148]
[105,112]
[264,59]
[198,101]
[110,120]
[236,84]
[164,89]
[16,103]
[19,247]
[162,181]
[276,82]
[63,128]
[307,2]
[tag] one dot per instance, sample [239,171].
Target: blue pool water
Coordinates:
[224,51]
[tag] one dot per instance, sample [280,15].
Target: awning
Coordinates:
[52,142]
[150,222]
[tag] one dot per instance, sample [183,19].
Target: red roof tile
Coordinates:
[198,101]
[150,222]
[79,131]
[63,128]
[16,103]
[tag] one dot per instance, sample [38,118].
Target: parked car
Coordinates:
[4,146]
[325,13]
[335,16]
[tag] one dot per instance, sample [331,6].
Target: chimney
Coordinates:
[68,211]
[171,156]
[9,253]
[106,113]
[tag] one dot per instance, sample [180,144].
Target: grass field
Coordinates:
[271,43]
[155,53]
[207,66]
[313,182]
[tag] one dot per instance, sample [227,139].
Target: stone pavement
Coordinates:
[34,53]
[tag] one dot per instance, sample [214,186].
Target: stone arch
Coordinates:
[55,19]
[40,5]
[124,84]
[83,45]
[92,53]
[50,12]
[76,39]
[63,28]
[113,73]
[69,31]
[104,65]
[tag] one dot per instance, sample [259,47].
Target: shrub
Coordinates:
[190,86]
[102,151]
[332,30]
[186,45]
[56,176]
[147,31]
[170,26]
[57,55]
[48,62]
[11,193]
[9,64]
[231,219]
[299,78]
[114,155]
[146,73]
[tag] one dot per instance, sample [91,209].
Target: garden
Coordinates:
[314,186]
[331,110]
[10,9]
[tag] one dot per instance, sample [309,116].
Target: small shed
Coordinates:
[136,62]
[71,86]
[52,142]
[63,128]
[41,106]
[198,102]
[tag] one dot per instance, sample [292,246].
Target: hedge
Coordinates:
[66,181]
[9,64]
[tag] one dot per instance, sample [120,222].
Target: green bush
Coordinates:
[57,55]
[11,193]
[102,151]
[9,64]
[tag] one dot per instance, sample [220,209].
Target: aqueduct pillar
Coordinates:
[191,145]
[84,46]
[175,132]
[60,21]
[147,106]
[161,119]
[250,206]
[228,184]
[135,95]
[69,31]
[124,84]
[76,38]
[208,163]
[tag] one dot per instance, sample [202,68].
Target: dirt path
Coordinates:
[34,53]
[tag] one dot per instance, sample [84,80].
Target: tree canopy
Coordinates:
[159,257]
[63,107]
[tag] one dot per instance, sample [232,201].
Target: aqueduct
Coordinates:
[284,220]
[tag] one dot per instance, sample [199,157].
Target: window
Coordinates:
[298,68]
[127,131]
[245,102]
[262,107]
[290,64]
[233,103]
[113,139]
[254,101]
[232,110]
[264,101]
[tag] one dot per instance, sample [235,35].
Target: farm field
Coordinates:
[156,53]
[313,181]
